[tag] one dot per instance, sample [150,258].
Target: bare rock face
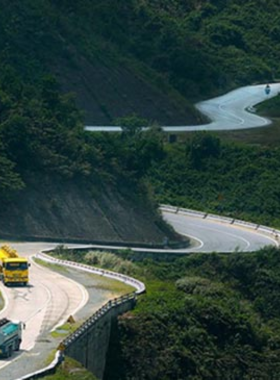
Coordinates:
[79,212]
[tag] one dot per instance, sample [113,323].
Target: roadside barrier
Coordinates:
[224,219]
[131,297]
[272,232]
[186,211]
[93,319]
[138,285]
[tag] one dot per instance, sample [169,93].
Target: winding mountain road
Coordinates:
[51,297]
[212,235]
[47,301]
[226,112]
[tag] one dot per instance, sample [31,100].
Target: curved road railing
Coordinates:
[243,100]
[138,285]
[272,232]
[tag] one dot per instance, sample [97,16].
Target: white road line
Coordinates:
[227,233]
[251,96]
[6,299]
[201,243]
[84,299]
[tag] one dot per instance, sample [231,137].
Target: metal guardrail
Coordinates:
[44,371]
[95,317]
[138,285]
[274,233]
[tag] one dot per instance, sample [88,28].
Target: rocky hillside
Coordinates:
[59,210]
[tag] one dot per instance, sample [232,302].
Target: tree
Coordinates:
[203,145]
[131,125]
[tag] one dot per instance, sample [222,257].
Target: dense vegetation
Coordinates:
[199,46]
[41,131]
[212,175]
[203,317]
[271,108]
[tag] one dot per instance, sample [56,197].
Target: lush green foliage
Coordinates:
[200,46]
[271,107]
[204,317]
[111,262]
[233,179]
[41,130]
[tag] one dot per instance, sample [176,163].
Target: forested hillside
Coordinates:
[200,47]
[210,174]
[143,57]
[57,182]
[204,317]
[145,62]
[63,38]
[148,58]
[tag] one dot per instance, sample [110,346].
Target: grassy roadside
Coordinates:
[69,370]
[99,282]
[267,136]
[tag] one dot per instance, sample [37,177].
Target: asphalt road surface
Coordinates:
[213,236]
[46,302]
[51,297]
[233,110]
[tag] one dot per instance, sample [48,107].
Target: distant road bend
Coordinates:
[228,112]
[51,297]
[214,235]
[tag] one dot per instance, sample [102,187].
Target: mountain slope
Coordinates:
[120,58]
[107,91]
[40,37]
[66,210]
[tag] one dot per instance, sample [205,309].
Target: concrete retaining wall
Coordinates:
[89,344]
